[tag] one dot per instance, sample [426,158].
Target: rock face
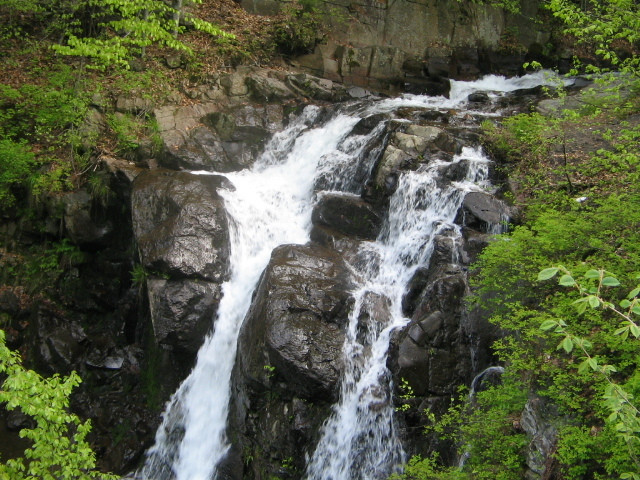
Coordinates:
[181,230]
[289,359]
[349,215]
[296,322]
[230,139]
[409,46]
[180,224]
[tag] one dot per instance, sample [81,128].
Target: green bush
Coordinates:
[59,450]
[17,163]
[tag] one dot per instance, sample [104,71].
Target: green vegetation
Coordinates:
[611,26]
[572,345]
[59,450]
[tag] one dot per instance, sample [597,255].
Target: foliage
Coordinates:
[299,30]
[139,275]
[129,26]
[46,115]
[512,6]
[613,26]
[16,165]
[624,414]
[482,427]
[42,267]
[59,450]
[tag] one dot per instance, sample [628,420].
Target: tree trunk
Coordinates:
[177,11]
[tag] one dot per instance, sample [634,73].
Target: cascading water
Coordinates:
[358,442]
[270,206]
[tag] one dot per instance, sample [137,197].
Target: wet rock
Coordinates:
[483,212]
[180,224]
[366,125]
[434,86]
[182,312]
[439,67]
[478,97]
[296,323]
[334,239]
[433,356]
[349,215]
[84,228]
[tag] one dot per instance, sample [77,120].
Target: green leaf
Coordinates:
[548,325]
[593,363]
[582,307]
[567,344]
[592,274]
[566,281]
[610,282]
[636,309]
[634,329]
[625,303]
[633,293]
[547,273]
[594,302]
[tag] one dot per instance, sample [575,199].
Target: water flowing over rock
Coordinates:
[376,297]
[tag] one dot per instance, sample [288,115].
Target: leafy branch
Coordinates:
[624,415]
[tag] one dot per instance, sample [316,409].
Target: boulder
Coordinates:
[294,331]
[136,104]
[180,224]
[59,342]
[367,124]
[265,89]
[316,88]
[541,421]
[349,215]
[432,355]
[230,139]
[483,212]
[182,312]
[432,86]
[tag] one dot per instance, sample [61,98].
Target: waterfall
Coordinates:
[358,442]
[271,205]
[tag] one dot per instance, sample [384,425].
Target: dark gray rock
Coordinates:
[432,354]
[433,86]
[349,215]
[84,228]
[541,421]
[180,224]
[182,312]
[296,323]
[478,97]
[59,342]
[482,212]
[366,125]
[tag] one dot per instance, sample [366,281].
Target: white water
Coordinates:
[359,442]
[272,205]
